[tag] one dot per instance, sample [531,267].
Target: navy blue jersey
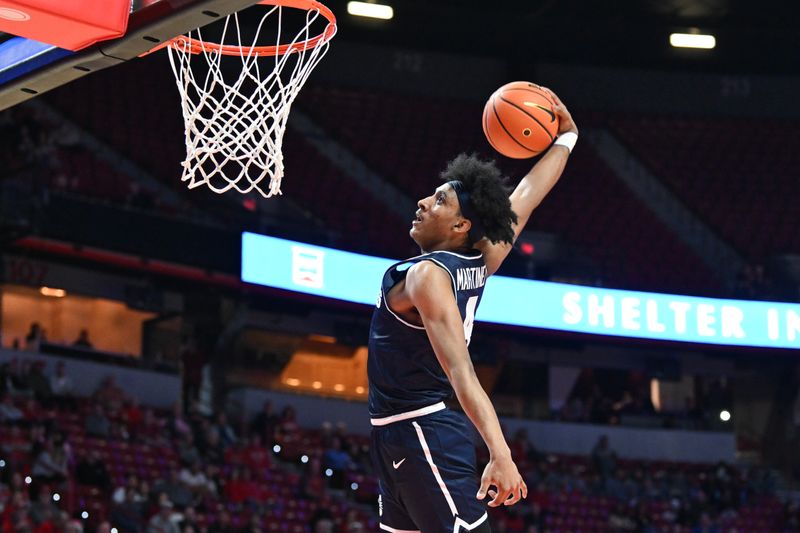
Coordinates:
[403,371]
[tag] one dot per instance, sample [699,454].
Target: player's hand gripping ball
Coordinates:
[519,121]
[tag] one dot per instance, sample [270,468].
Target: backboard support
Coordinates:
[29,68]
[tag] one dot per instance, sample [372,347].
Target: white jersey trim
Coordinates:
[389,308]
[393,530]
[479,256]
[459,523]
[440,265]
[416,413]
[435,471]
[455,289]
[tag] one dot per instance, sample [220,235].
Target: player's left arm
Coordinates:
[533,188]
[430,290]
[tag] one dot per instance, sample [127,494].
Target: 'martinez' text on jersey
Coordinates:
[470,278]
[403,371]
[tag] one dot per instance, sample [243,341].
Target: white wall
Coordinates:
[152,388]
[557,437]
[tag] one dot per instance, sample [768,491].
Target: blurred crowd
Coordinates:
[625,399]
[217,472]
[221,459]
[699,498]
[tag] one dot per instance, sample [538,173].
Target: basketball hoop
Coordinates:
[234,123]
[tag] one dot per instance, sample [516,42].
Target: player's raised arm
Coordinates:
[533,188]
[431,292]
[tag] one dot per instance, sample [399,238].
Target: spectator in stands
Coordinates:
[336,458]
[15,448]
[352,523]
[226,433]
[162,521]
[255,455]
[287,428]
[43,513]
[152,428]
[222,524]
[178,425]
[132,417]
[213,451]
[188,520]
[322,522]
[521,447]
[38,382]
[83,340]
[34,337]
[9,413]
[71,525]
[131,487]
[313,484]
[50,465]
[194,479]
[15,514]
[97,423]
[33,410]
[129,513]
[263,424]
[604,458]
[254,491]
[172,489]
[187,451]
[61,384]
[119,431]
[91,471]
[109,395]
[360,455]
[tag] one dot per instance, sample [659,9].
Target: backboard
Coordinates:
[29,68]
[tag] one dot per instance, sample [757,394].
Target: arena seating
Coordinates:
[407,140]
[567,493]
[360,220]
[282,510]
[718,168]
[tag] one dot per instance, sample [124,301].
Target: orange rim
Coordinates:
[195,46]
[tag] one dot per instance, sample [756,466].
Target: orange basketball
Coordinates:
[518,120]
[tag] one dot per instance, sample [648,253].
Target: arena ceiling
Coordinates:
[752,36]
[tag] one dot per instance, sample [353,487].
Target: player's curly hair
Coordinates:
[489,191]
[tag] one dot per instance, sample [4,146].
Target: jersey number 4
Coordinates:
[469,319]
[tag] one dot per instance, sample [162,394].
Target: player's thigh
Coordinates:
[439,486]
[385,447]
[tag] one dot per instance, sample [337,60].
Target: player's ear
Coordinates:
[462,226]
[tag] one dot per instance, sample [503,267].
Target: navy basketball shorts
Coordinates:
[425,461]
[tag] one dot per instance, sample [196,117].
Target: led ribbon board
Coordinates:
[351,277]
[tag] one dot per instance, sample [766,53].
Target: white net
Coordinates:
[235,107]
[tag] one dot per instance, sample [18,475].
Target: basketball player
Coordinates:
[418,353]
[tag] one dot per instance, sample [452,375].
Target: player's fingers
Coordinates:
[492,493]
[553,95]
[515,496]
[502,495]
[485,481]
[524,489]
